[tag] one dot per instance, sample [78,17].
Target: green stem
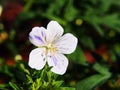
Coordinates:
[28,5]
[42,74]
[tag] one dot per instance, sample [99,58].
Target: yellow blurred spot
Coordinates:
[3,36]
[110,84]
[111,34]
[72,83]
[0,10]
[105,56]
[18,57]
[78,22]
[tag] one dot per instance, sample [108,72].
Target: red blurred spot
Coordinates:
[10,62]
[102,49]
[103,52]
[89,57]
[118,81]
[34,24]
[11,10]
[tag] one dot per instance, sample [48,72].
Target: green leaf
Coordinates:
[27,16]
[78,56]
[14,86]
[52,7]
[91,82]
[117,49]
[102,69]
[6,69]
[67,88]
[111,21]
[24,69]
[104,7]
[28,5]
[98,29]
[57,83]
[89,43]
[56,18]
[20,75]
[29,79]
[4,86]
[1,60]
[70,11]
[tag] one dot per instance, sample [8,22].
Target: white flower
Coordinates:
[51,47]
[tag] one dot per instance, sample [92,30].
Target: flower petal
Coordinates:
[37,58]
[66,44]
[37,36]
[54,31]
[59,63]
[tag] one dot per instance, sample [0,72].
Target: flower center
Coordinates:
[50,49]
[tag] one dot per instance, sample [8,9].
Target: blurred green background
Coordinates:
[95,65]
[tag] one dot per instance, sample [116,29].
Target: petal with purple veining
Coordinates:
[59,63]
[37,36]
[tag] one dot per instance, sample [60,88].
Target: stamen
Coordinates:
[50,48]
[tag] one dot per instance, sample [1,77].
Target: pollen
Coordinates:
[50,49]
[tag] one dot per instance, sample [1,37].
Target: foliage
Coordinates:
[96,23]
